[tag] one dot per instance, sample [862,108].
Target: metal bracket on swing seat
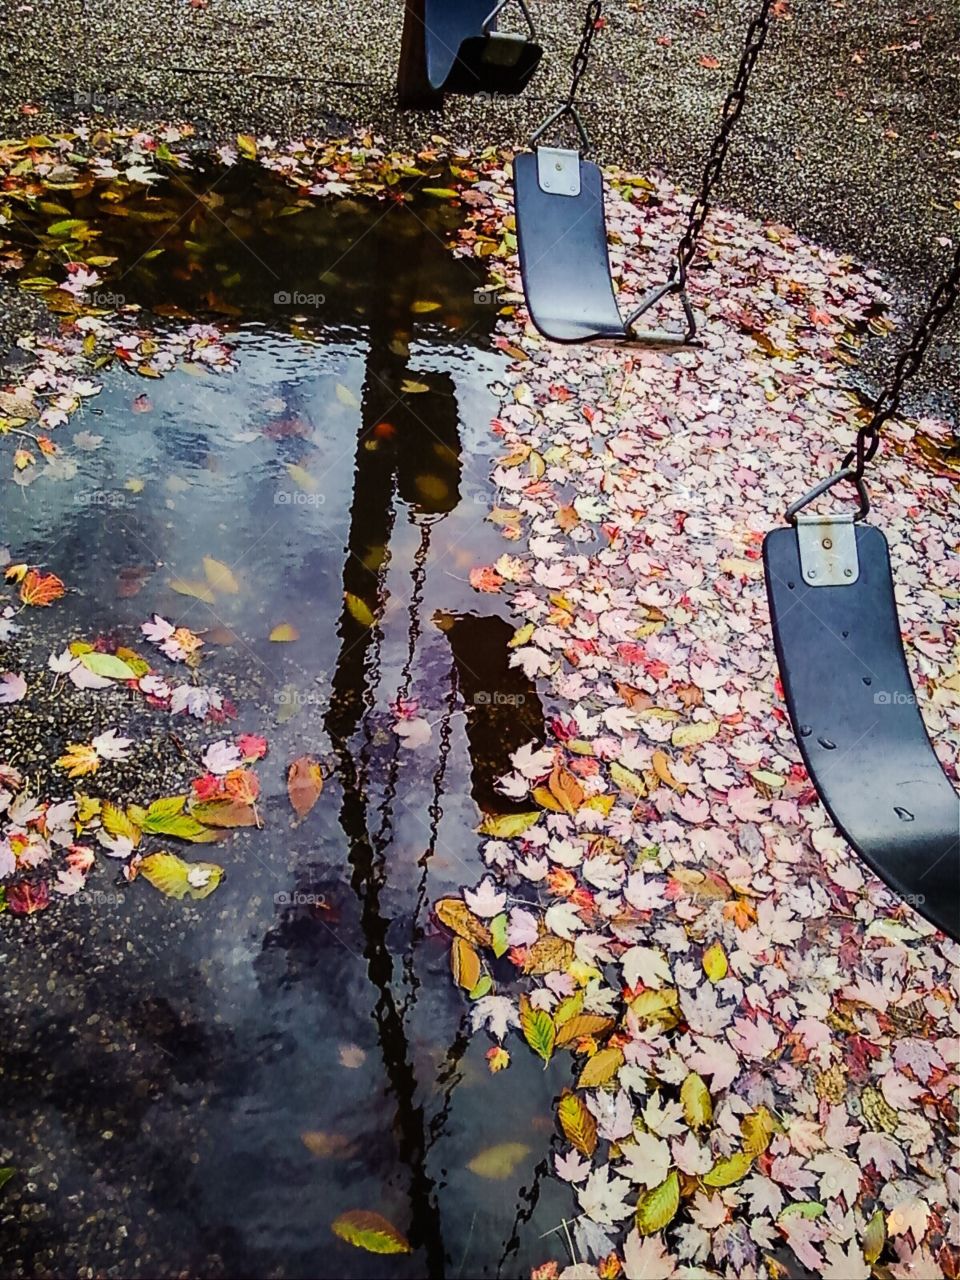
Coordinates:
[828,550]
[558,171]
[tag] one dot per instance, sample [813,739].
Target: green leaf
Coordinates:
[498,1162]
[107,665]
[498,934]
[6,1173]
[728,1170]
[874,1237]
[803,1209]
[656,1208]
[507,825]
[165,818]
[65,227]
[178,879]
[483,988]
[441,193]
[371,1231]
[538,1029]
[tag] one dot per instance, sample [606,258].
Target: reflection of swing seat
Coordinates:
[564,261]
[854,711]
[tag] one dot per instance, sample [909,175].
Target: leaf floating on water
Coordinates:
[421,308]
[728,1170]
[538,1029]
[304,784]
[327,1145]
[107,665]
[507,825]
[456,915]
[247,145]
[757,1129]
[715,964]
[441,193]
[178,879]
[346,396]
[284,633]
[656,1208]
[874,1236]
[696,1102]
[499,1162]
[464,964]
[358,609]
[627,780]
[225,813]
[196,590]
[220,576]
[40,589]
[583,1025]
[601,1069]
[692,735]
[371,1231]
[411,387]
[578,1124]
[302,478]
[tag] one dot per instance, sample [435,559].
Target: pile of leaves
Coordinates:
[760,1040]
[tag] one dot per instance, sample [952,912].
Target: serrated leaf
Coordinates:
[538,1029]
[220,576]
[728,1170]
[600,1069]
[583,1025]
[371,1231]
[498,934]
[505,826]
[696,1102]
[163,818]
[757,1129]
[117,823]
[627,780]
[456,915]
[107,665]
[498,1162]
[567,1008]
[578,1125]
[464,964]
[656,1208]
[178,879]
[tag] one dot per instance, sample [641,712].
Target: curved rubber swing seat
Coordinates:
[564,259]
[854,710]
[465,53]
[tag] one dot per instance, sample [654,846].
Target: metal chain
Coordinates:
[732,107]
[888,402]
[581,59]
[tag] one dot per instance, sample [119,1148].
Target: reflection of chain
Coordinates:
[581,59]
[732,107]
[944,298]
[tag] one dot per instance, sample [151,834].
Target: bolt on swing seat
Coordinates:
[853,707]
[458,49]
[564,259]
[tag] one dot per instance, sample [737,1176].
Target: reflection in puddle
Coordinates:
[294,1049]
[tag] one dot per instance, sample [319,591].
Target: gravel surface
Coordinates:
[851,134]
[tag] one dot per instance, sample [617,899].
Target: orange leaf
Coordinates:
[40,588]
[304,784]
[707,60]
[242,785]
[566,789]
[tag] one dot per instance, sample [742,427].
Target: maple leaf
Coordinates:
[13,687]
[40,589]
[24,899]
[79,760]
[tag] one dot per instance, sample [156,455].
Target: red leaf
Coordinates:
[24,899]
[711,63]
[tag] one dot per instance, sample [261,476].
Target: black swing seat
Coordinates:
[564,260]
[854,710]
[465,53]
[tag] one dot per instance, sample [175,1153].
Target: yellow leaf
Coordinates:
[656,1208]
[134,485]
[284,633]
[422,308]
[582,1025]
[79,760]
[548,954]
[578,1125]
[874,1237]
[696,1102]
[715,964]
[302,478]
[178,879]
[359,609]
[692,735]
[197,590]
[247,145]
[346,396]
[117,823]
[507,825]
[498,1162]
[464,964]
[456,915]
[371,1231]
[521,636]
[728,1170]
[661,767]
[627,780]
[410,387]
[566,789]
[601,1069]
[757,1129]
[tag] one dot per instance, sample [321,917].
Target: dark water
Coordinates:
[162,1062]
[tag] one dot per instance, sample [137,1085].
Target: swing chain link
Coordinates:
[581,59]
[888,402]
[732,108]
